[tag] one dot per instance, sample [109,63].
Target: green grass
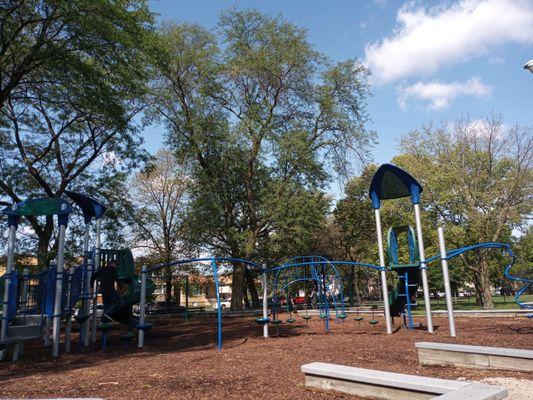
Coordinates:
[462,303]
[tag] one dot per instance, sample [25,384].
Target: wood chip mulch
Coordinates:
[180,360]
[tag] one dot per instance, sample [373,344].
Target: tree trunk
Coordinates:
[44,235]
[252,289]
[168,283]
[237,287]
[486,297]
[482,285]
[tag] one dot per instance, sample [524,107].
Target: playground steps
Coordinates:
[373,384]
[479,357]
[23,328]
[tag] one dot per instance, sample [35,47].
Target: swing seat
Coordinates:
[104,327]
[291,320]
[373,322]
[145,327]
[128,337]
[262,321]
[80,319]
[323,316]
[276,321]
[341,316]
[307,317]
[359,318]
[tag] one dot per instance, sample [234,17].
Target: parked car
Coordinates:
[224,304]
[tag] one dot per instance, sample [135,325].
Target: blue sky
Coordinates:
[431,61]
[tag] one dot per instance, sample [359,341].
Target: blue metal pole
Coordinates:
[219,310]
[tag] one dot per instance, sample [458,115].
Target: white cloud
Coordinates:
[427,39]
[439,95]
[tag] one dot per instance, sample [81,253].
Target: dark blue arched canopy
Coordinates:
[391,182]
[90,207]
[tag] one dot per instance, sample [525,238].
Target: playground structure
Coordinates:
[32,302]
[389,182]
[56,292]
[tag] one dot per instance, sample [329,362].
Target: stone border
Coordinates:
[392,386]
[479,357]
[519,313]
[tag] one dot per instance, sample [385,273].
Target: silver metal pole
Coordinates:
[84,328]
[423,266]
[142,307]
[265,305]
[447,286]
[383,273]
[85,307]
[24,290]
[96,267]
[68,329]
[56,329]
[9,270]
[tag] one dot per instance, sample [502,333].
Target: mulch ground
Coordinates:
[180,360]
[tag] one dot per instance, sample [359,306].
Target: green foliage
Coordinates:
[72,80]
[477,180]
[262,119]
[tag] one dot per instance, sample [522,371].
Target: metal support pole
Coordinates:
[142,307]
[219,311]
[86,292]
[265,305]
[186,297]
[68,329]
[446,278]
[9,270]
[86,327]
[96,267]
[383,272]
[24,290]
[56,330]
[423,267]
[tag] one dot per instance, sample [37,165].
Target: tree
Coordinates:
[477,176]
[72,79]
[157,206]
[259,115]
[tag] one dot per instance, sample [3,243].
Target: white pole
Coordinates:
[56,330]
[88,297]
[86,286]
[385,291]
[68,329]
[96,267]
[142,307]
[9,270]
[447,286]
[24,290]
[265,305]
[423,266]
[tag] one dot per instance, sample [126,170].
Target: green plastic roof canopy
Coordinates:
[391,182]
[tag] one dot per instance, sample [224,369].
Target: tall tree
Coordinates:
[72,76]
[477,175]
[259,114]
[158,205]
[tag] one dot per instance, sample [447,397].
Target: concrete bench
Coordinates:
[480,357]
[375,384]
